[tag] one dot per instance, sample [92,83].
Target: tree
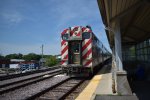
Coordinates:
[51,61]
[1,57]
[31,56]
[14,56]
[20,56]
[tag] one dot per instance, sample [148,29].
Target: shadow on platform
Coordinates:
[141,89]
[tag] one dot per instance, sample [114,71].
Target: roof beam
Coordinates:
[130,23]
[146,36]
[128,43]
[130,38]
[125,12]
[140,29]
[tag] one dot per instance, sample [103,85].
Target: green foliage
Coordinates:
[14,56]
[47,56]
[51,61]
[1,57]
[31,56]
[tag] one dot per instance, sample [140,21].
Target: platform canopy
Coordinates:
[133,16]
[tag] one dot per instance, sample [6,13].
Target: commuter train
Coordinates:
[81,51]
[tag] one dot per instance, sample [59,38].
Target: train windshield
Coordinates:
[75,47]
[86,35]
[65,36]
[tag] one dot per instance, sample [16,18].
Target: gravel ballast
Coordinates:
[27,91]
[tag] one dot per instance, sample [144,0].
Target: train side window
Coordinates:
[86,35]
[65,36]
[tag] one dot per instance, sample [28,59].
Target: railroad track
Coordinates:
[41,86]
[10,76]
[54,88]
[30,90]
[9,85]
[59,91]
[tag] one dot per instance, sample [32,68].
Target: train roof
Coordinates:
[76,27]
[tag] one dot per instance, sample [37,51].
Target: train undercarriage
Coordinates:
[77,70]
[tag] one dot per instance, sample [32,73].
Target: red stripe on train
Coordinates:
[64,31]
[86,45]
[75,28]
[62,42]
[88,62]
[83,29]
[78,34]
[90,31]
[63,51]
[87,53]
[71,33]
[62,61]
[66,57]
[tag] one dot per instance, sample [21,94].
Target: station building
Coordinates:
[127,27]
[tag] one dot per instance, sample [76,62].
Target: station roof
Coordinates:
[134,17]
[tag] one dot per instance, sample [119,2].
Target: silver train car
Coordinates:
[81,51]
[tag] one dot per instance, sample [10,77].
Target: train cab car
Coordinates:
[81,51]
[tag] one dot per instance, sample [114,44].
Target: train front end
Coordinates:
[76,51]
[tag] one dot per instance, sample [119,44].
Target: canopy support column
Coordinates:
[122,85]
[118,51]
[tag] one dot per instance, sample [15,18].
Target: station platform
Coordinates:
[100,87]
[100,84]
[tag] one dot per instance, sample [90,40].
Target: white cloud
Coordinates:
[12,17]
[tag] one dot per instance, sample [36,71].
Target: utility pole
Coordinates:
[42,55]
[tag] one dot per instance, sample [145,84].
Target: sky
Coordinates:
[27,24]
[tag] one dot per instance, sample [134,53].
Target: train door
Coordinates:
[75,52]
